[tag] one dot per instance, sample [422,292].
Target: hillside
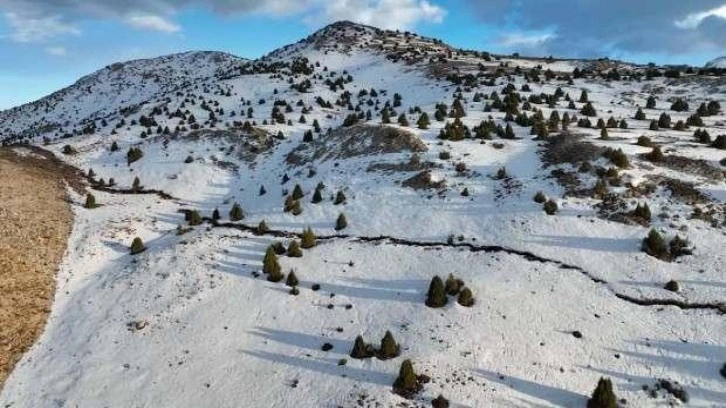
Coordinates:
[442,161]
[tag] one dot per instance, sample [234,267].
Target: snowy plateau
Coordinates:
[511,186]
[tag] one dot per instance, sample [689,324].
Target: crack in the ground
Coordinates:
[529,256]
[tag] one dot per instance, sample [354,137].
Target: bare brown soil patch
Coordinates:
[36,222]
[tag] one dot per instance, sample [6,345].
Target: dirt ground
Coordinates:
[35,222]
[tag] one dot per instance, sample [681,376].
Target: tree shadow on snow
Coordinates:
[622,245]
[328,367]
[378,293]
[302,340]
[553,395]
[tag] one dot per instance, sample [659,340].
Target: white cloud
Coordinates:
[694,20]
[524,40]
[390,14]
[57,51]
[152,22]
[26,28]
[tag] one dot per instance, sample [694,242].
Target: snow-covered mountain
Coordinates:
[717,63]
[442,161]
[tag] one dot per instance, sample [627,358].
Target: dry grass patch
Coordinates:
[37,221]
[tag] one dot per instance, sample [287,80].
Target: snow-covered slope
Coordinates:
[560,300]
[717,63]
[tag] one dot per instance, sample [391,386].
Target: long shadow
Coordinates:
[393,284]
[705,283]
[362,292]
[715,352]
[708,361]
[302,340]
[329,367]
[552,395]
[588,243]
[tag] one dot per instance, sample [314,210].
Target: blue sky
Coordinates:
[48,44]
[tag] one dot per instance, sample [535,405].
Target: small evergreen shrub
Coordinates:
[436,296]
[137,246]
[194,218]
[90,201]
[361,349]
[389,347]
[339,198]
[540,198]
[293,250]
[440,402]
[270,265]
[407,384]
[466,298]
[603,396]
[672,286]
[550,207]
[341,223]
[236,213]
[308,238]
[292,279]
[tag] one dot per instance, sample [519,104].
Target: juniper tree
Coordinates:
[361,349]
[583,97]
[339,198]
[664,121]
[307,240]
[639,115]
[650,103]
[263,191]
[540,198]
[655,155]
[136,185]
[215,214]
[588,110]
[407,382]
[236,213]
[297,192]
[291,279]
[679,105]
[262,228]
[341,223]
[452,285]
[269,262]
[389,347]
[317,196]
[275,274]
[654,244]
[194,218]
[466,298]
[550,207]
[423,121]
[293,250]
[90,201]
[642,212]
[402,120]
[137,246]
[604,134]
[114,146]
[440,402]
[436,296]
[603,396]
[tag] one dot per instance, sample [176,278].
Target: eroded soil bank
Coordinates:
[35,222]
